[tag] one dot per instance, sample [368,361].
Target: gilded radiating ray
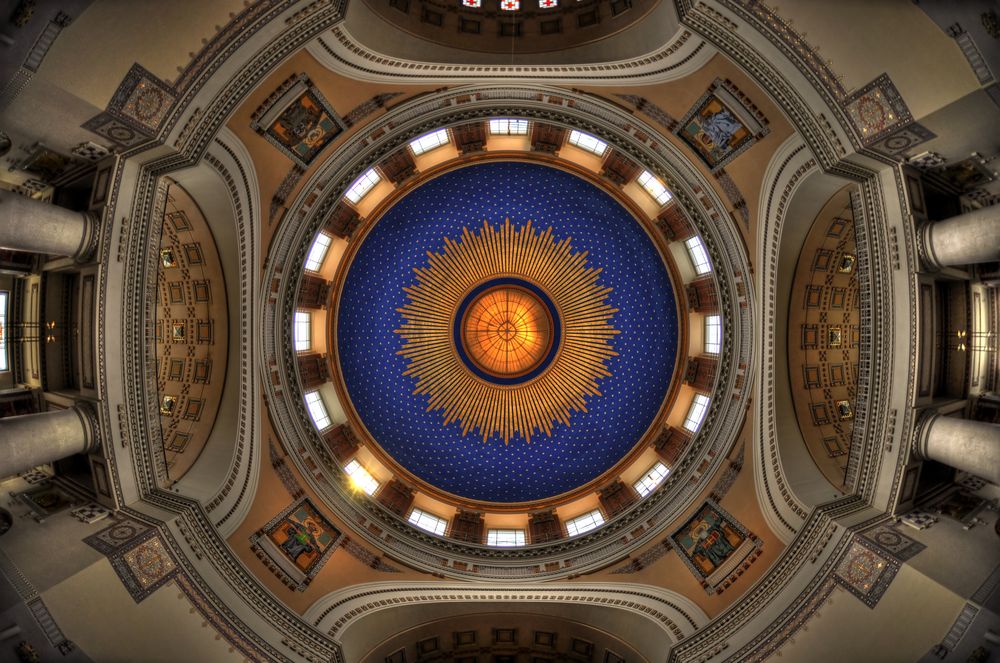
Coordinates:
[504,321]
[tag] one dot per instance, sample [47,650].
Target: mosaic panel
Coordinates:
[865,573]
[877,110]
[891,540]
[142,100]
[296,542]
[138,555]
[721,125]
[715,546]
[298,120]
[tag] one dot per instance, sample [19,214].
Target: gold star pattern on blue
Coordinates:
[373,370]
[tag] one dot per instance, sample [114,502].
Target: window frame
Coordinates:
[652,478]
[592,519]
[4,331]
[361,477]
[696,251]
[713,346]
[652,185]
[324,242]
[513,126]
[696,413]
[323,416]
[583,140]
[362,186]
[418,516]
[298,325]
[430,141]
[493,537]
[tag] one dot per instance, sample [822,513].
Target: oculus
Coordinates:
[507,331]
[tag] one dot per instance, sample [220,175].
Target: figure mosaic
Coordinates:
[715,132]
[303,535]
[709,539]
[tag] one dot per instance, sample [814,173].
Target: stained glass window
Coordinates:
[428,521]
[510,5]
[699,256]
[428,142]
[505,538]
[317,410]
[547,4]
[362,185]
[317,252]
[360,477]
[584,523]
[587,142]
[713,334]
[651,479]
[696,414]
[654,187]
[472,3]
[506,127]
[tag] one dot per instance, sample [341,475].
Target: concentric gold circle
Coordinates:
[507,331]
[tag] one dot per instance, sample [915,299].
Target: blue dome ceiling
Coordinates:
[370,317]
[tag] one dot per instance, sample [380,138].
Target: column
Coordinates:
[37,227]
[972,446]
[966,239]
[34,439]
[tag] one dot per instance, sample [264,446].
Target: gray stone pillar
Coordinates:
[965,239]
[37,227]
[34,439]
[972,446]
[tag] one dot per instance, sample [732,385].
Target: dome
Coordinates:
[487,331]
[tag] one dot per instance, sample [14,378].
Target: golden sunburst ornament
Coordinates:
[507,331]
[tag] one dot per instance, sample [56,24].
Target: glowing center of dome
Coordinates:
[507,331]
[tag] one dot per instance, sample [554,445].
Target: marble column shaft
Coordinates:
[965,444]
[30,440]
[966,239]
[37,227]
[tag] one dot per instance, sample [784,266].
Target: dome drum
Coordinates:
[722,244]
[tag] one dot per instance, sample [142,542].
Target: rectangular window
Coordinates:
[654,187]
[317,410]
[4,298]
[428,521]
[651,479]
[698,254]
[584,523]
[587,142]
[697,413]
[507,127]
[362,185]
[360,477]
[317,252]
[548,4]
[505,538]
[713,334]
[303,331]
[472,3]
[510,5]
[428,142]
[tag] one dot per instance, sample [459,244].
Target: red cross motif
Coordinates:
[547,4]
[472,3]
[510,5]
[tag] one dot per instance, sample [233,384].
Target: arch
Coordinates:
[656,618]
